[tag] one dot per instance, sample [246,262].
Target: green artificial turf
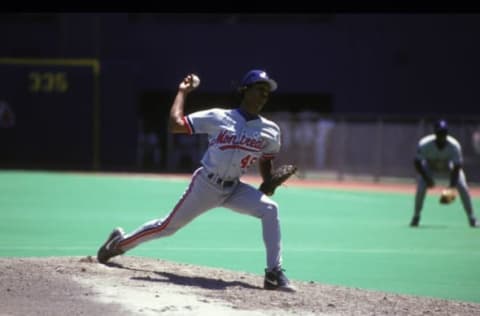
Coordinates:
[350,238]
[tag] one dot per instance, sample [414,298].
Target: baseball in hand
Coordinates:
[195,81]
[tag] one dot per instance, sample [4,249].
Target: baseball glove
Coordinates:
[447,196]
[279,176]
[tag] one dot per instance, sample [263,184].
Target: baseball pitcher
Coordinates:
[237,139]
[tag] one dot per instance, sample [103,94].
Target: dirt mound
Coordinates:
[141,286]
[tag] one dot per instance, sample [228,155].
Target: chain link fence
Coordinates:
[374,148]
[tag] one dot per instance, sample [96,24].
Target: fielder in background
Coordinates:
[440,154]
[238,138]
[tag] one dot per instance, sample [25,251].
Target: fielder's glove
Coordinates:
[279,176]
[447,196]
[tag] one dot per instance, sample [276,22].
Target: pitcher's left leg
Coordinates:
[248,200]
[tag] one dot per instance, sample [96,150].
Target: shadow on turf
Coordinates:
[202,282]
[429,227]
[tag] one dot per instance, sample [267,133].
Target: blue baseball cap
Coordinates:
[440,126]
[255,76]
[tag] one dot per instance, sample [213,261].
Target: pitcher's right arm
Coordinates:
[176,122]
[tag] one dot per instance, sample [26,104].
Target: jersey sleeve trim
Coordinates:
[189,125]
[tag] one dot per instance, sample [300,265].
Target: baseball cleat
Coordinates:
[474,223]
[109,249]
[415,221]
[276,280]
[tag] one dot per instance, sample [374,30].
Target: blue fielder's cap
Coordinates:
[440,126]
[255,76]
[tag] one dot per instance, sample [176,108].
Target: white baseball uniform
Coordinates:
[236,140]
[439,162]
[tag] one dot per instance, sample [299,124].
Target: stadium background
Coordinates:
[92,91]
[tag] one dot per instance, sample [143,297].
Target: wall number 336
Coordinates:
[48,82]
